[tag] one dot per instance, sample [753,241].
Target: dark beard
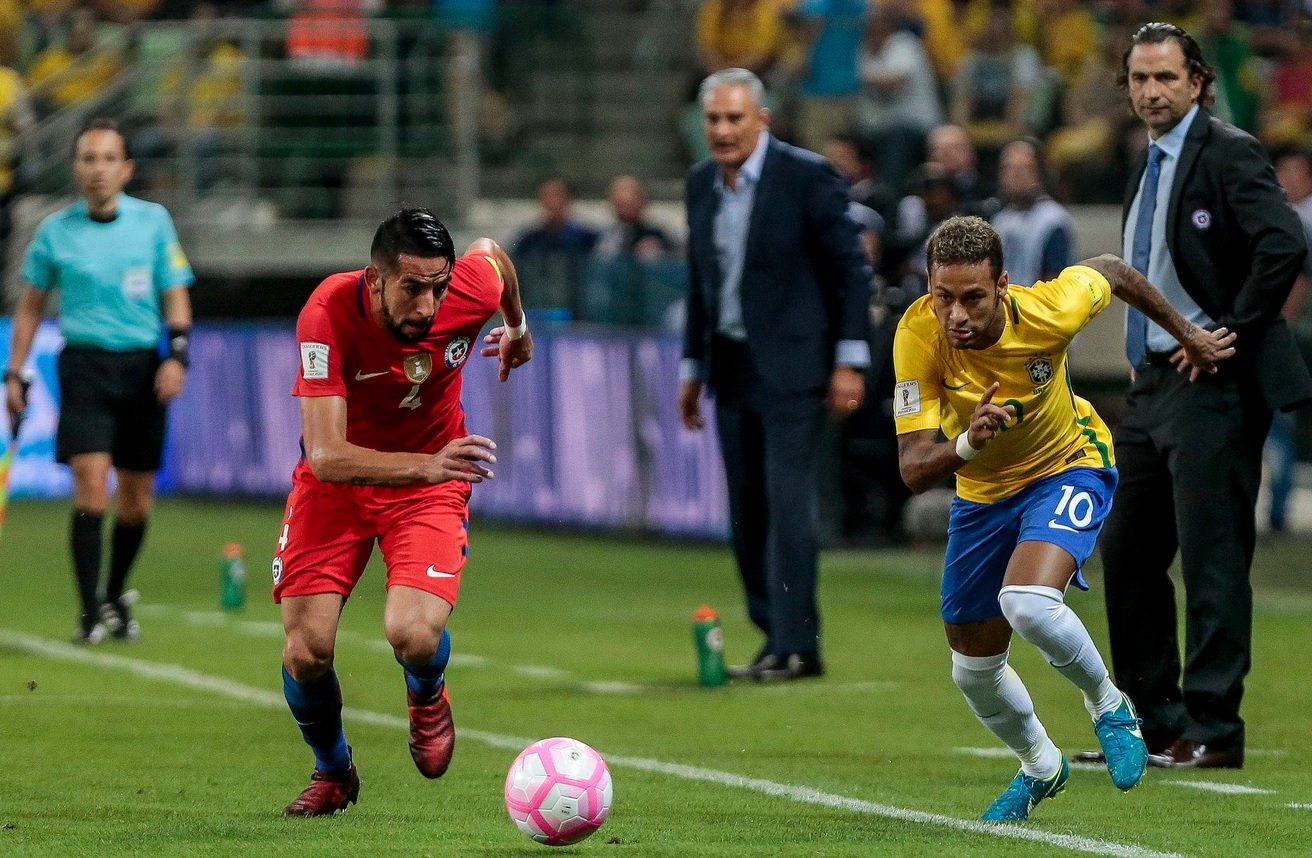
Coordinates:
[399,332]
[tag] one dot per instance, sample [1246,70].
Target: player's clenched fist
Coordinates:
[462,460]
[988,418]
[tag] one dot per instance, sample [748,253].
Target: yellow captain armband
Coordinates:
[496,266]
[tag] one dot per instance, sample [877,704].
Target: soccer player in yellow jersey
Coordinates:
[982,363]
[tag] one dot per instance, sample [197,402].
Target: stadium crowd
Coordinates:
[1007,109]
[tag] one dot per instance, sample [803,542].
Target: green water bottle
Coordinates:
[233,568]
[710,647]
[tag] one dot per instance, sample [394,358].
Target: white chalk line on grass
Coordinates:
[178,675]
[1224,789]
[545,673]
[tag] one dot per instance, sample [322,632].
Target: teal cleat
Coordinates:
[1122,744]
[1019,798]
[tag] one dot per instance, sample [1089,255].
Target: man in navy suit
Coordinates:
[777,327]
[1206,222]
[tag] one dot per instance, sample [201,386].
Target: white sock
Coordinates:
[1041,616]
[1003,705]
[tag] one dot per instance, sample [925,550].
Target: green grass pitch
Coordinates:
[179,744]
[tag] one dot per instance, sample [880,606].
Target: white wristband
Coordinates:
[964,450]
[516,332]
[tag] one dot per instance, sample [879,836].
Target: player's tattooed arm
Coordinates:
[1200,349]
[924,461]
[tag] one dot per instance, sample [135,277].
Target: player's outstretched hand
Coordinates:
[512,353]
[463,460]
[988,418]
[1202,351]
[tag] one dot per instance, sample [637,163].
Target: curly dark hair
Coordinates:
[965,241]
[1159,32]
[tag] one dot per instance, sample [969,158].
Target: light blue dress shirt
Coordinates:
[1161,268]
[732,221]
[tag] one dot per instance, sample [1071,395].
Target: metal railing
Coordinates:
[220,116]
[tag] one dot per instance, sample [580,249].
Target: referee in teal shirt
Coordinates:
[122,278]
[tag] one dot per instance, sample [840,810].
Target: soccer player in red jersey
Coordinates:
[387,458]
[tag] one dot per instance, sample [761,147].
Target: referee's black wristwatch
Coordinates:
[179,345]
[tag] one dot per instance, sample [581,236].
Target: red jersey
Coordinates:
[400,397]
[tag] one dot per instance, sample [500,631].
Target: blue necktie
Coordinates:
[1136,324]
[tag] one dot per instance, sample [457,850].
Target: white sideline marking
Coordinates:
[532,671]
[539,671]
[1296,806]
[992,753]
[186,677]
[99,700]
[1225,789]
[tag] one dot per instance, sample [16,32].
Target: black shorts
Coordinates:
[108,405]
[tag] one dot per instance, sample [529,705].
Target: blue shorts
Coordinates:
[1065,509]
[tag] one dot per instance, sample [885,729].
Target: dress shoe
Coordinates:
[792,666]
[1186,754]
[1157,756]
[749,670]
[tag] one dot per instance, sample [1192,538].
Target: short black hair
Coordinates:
[1302,153]
[102,123]
[415,232]
[965,241]
[861,145]
[1158,33]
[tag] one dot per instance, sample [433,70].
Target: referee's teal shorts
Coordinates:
[1065,509]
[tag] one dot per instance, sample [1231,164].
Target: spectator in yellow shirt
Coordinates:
[64,75]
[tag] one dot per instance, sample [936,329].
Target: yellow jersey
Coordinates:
[938,386]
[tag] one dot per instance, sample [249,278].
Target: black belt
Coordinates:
[1160,359]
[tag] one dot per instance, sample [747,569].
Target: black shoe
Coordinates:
[117,617]
[793,666]
[90,631]
[749,670]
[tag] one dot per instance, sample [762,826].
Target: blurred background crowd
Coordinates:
[269,128]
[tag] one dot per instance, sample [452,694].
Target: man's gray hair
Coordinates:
[732,77]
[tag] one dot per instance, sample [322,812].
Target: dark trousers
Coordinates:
[1190,459]
[770,442]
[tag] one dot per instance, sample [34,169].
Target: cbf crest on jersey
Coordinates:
[456,352]
[1040,370]
[418,367]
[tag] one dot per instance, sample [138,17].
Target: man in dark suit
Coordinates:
[1207,223]
[777,326]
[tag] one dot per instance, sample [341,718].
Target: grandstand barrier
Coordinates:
[588,434]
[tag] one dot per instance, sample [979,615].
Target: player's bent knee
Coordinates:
[307,658]
[1026,610]
[415,645]
[971,672]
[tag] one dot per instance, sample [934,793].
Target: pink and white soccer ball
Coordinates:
[558,791]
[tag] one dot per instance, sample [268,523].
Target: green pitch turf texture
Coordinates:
[179,744]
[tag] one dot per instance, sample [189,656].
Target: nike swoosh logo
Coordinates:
[361,376]
[1055,526]
[432,572]
[951,387]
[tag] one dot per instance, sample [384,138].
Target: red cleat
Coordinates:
[432,732]
[326,794]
